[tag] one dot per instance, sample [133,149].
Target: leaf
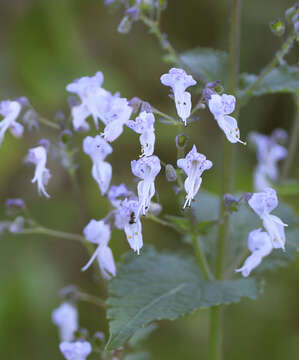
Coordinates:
[182,223]
[210,64]
[282,79]
[157,286]
[142,334]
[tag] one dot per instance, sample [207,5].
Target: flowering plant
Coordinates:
[231,237]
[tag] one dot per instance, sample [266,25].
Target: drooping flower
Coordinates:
[260,245]
[128,219]
[263,203]
[90,91]
[221,106]
[269,153]
[97,148]
[99,233]
[78,350]
[10,110]
[194,164]
[147,169]
[144,125]
[117,193]
[38,156]
[115,113]
[179,81]
[66,318]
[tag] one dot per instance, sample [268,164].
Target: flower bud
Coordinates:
[277,27]
[125,25]
[135,104]
[170,173]
[230,202]
[155,208]
[289,14]
[14,205]
[133,12]
[17,225]
[181,141]
[65,136]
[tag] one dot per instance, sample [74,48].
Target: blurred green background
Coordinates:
[44,46]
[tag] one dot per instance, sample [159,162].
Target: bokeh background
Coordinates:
[44,45]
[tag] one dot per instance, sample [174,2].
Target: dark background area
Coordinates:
[44,45]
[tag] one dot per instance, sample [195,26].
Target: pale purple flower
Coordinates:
[90,92]
[144,125]
[97,148]
[260,245]
[194,164]
[128,219]
[179,81]
[117,193]
[221,106]
[99,233]
[38,156]
[263,203]
[66,318]
[10,110]
[269,153]
[115,112]
[78,350]
[147,169]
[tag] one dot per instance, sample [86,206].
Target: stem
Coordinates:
[201,258]
[167,117]
[293,143]
[91,299]
[54,233]
[280,54]
[48,123]
[165,44]
[162,222]
[216,324]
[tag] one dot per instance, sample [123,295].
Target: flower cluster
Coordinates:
[261,243]
[269,153]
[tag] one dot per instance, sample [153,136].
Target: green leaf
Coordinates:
[289,187]
[157,286]
[207,63]
[142,334]
[283,79]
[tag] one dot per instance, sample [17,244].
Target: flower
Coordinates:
[128,220]
[118,193]
[144,125]
[179,81]
[89,90]
[263,203]
[78,350]
[220,106]
[97,148]
[194,164]
[38,156]
[260,245]
[147,169]
[269,153]
[66,318]
[99,233]
[115,112]
[10,110]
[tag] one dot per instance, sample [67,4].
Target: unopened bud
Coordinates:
[145,106]
[14,205]
[277,27]
[125,25]
[65,136]
[181,141]
[17,225]
[135,103]
[230,202]
[170,173]
[155,208]
[133,12]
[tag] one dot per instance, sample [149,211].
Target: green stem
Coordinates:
[216,323]
[55,233]
[280,54]
[293,143]
[167,117]
[91,299]
[161,222]
[201,258]
[48,123]
[165,44]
